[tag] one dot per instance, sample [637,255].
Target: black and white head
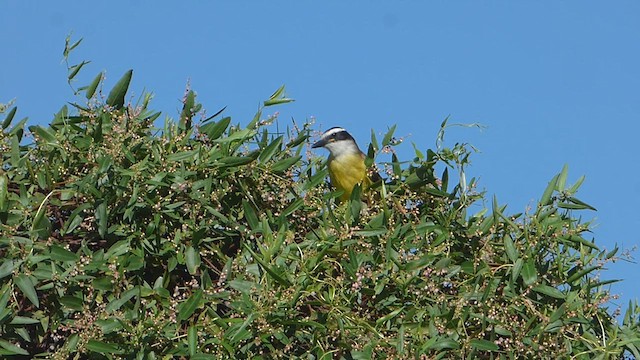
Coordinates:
[338,141]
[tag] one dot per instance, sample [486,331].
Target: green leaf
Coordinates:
[103,347]
[510,248]
[274,274]
[549,290]
[484,345]
[192,258]
[124,298]
[25,285]
[386,140]
[285,164]
[578,204]
[21,320]
[7,267]
[91,89]
[188,307]
[298,140]
[562,178]
[12,349]
[277,98]
[440,344]
[45,134]
[75,69]
[230,161]
[529,273]
[68,48]
[75,218]
[192,339]
[579,274]
[250,216]
[517,268]
[72,302]
[102,218]
[267,153]
[9,117]
[59,253]
[183,155]
[214,130]
[4,193]
[546,195]
[389,316]
[119,91]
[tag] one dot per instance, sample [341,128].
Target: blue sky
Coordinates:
[554,82]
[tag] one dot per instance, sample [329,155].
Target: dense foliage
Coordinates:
[204,239]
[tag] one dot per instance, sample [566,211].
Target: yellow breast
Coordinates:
[346,171]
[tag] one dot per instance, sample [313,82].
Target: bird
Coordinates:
[346,162]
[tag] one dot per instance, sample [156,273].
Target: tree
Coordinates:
[205,239]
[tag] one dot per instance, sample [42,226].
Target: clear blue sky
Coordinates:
[555,82]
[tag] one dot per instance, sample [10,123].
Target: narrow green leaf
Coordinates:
[277,97]
[75,218]
[298,140]
[59,253]
[270,150]
[562,178]
[529,273]
[75,69]
[9,117]
[581,203]
[12,349]
[103,347]
[510,248]
[250,216]
[21,320]
[119,91]
[386,140]
[124,298]
[374,141]
[558,313]
[285,164]
[192,340]
[389,316]
[546,195]
[188,307]
[236,160]
[68,48]
[183,155]
[7,267]
[583,241]
[576,186]
[571,206]
[72,302]
[72,342]
[25,285]
[91,89]
[4,193]
[276,94]
[484,345]
[283,100]
[549,290]
[274,274]
[440,344]
[192,258]
[44,133]
[101,218]
[579,274]
[214,115]
[214,130]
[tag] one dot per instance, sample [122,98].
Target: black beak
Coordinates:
[319,143]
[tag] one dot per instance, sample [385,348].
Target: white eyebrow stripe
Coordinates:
[332,131]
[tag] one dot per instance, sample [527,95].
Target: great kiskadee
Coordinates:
[346,161]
